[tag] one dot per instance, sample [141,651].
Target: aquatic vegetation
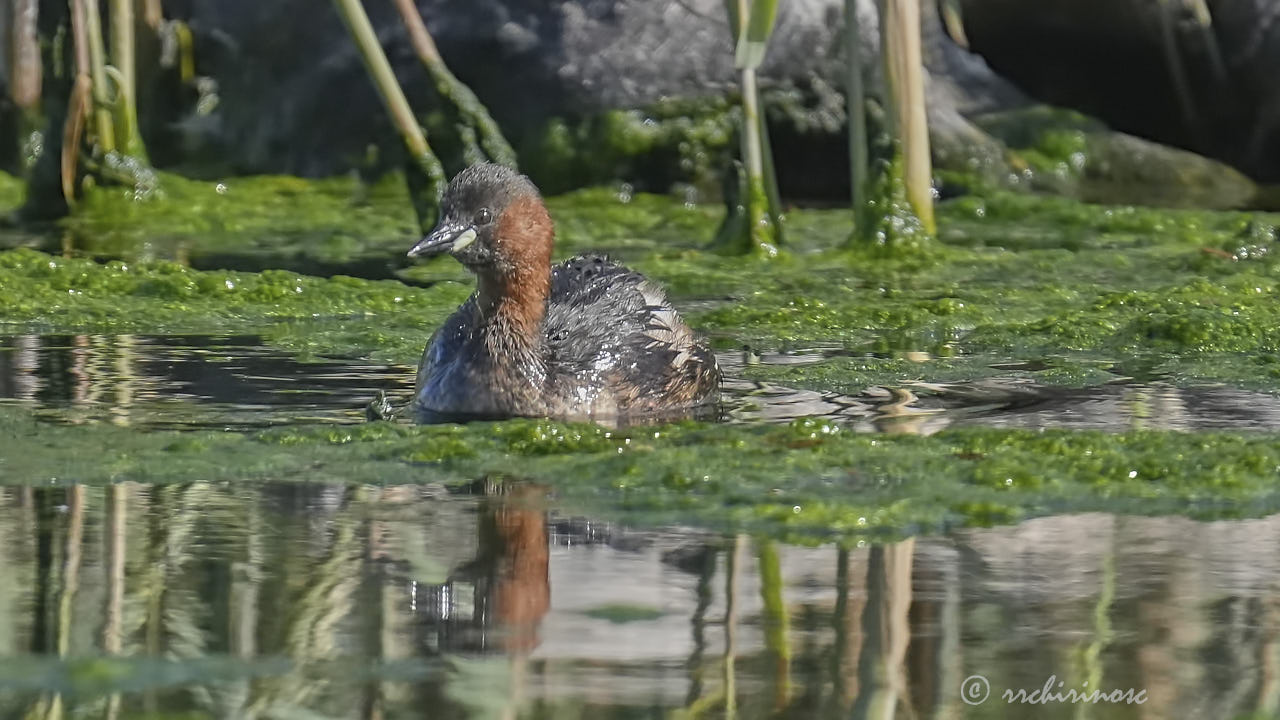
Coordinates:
[753,205]
[481,137]
[325,226]
[807,481]
[305,313]
[1015,277]
[422,159]
[1019,286]
[904,106]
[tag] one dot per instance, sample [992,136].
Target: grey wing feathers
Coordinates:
[577,287]
[585,279]
[646,341]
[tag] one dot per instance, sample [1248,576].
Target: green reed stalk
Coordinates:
[759,227]
[104,126]
[124,60]
[475,116]
[397,105]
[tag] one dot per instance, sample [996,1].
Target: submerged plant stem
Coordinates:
[777,625]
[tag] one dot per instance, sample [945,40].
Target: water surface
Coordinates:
[287,600]
[321,600]
[238,382]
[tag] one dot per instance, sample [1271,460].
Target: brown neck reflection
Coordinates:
[514,549]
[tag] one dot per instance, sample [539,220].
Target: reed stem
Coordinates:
[855,108]
[79,38]
[397,105]
[25,71]
[152,13]
[475,116]
[904,78]
[753,221]
[104,126]
[752,157]
[124,60]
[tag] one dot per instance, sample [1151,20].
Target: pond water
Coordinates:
[284,560]
[185,381]
[329,600]
[270,600]
[238,382]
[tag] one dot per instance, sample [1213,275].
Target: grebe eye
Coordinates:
[484,217]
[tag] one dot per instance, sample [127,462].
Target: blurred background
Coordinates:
[597,91]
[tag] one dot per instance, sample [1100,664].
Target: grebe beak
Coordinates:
[447,237]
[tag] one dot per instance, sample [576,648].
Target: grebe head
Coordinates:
[493,221]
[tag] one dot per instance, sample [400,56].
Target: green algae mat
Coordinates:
[1045,292]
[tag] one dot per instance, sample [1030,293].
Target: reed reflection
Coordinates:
[271,600]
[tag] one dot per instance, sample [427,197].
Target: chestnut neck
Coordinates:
[512,295]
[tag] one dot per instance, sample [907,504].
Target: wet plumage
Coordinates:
[586,338]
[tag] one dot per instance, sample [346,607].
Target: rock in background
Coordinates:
[562,78]
[1196,74]
[639,91]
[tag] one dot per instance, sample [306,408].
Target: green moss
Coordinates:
[1016,278]
[807,480]
[12,191]
[670,142]
[314,226]
[341,314]
[1044,289]
[1063,152]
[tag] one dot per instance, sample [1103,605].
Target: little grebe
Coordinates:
[587,338]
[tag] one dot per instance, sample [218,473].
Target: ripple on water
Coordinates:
[237,382]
